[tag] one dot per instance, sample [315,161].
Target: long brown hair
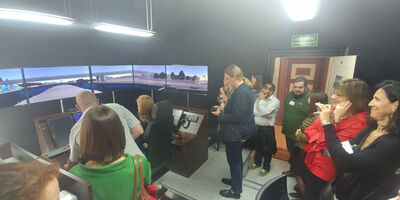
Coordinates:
[102,136]
[258,85]
[146,103]
[25,181]
[316,97]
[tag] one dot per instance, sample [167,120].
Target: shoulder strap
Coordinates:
[136,175]
[143,192]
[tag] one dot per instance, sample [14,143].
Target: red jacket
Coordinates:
[319,164]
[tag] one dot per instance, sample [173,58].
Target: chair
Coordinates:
[158,136]
[274,189]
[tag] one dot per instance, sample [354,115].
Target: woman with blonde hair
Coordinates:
[144,104]
[237,119]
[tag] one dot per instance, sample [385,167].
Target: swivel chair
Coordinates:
[158,135]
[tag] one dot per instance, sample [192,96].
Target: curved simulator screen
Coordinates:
[151,77]
[51,83]
[11,88]
[186,77]
[112,77]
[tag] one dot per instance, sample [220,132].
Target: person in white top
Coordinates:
[84,101]
[265,109]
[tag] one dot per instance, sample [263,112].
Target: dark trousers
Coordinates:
[264,146]
[313,184]
[290,144]
[235,161]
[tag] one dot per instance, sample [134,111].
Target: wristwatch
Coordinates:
[325,123]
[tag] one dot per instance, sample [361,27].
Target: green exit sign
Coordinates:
[309,40]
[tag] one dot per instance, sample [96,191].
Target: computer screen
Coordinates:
[77,116]
[149,76]
[11,89]
[51,83]
[60,128]
[185,77]
[112,77]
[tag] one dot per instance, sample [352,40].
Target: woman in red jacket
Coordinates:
[348,123]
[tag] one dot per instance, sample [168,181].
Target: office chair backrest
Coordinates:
[158,135]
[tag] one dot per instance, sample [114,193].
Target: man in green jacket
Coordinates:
[296,104]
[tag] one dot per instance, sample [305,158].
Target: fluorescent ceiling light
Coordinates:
[123,30]
[300,10]
[30,16]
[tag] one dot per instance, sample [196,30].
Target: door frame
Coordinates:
[273,54]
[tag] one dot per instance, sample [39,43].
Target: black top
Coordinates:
[238,116]
[366,174]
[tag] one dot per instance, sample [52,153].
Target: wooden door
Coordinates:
[314,69]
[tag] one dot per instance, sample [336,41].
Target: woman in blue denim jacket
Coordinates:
[237,119]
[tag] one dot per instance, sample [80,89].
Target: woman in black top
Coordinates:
[370,171]
[237,119]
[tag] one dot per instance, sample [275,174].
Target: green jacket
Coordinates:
[295,113]
[114,181]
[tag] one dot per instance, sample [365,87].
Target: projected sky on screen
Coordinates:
[11,74]
[149,68]
[112,68]
[188,70]
[43,72]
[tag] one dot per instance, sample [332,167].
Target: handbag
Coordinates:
[148,192]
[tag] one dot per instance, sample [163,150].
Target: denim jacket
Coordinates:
[238,118]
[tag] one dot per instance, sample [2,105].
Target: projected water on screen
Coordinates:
[11,89]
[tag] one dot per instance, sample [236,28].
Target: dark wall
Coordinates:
[206,32]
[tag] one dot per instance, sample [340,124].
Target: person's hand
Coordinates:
[298,132]
[261,96]
[220,108]
[66,167]
[340,110]
[325,114]
[221,89]
[218,111]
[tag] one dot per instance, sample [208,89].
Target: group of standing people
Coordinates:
[342,145]
[245,113]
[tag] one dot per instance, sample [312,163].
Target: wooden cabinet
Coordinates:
[189,153]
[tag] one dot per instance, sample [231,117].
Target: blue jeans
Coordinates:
[290,144]
[235,161]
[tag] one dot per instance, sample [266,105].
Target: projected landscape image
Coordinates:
[51,83]
[149,75]
[187,77]
[114,77]
[11,89]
